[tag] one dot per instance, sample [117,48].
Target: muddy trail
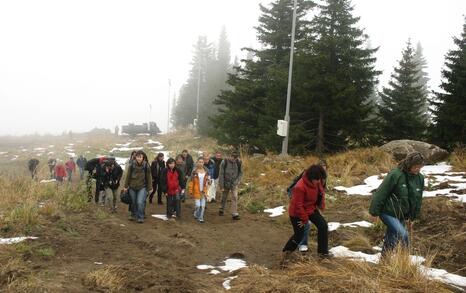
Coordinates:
[156,256]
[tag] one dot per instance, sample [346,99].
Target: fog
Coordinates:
[76,65]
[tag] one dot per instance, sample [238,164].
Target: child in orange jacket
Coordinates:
[198,187]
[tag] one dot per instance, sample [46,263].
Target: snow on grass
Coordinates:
[124,144]
[332,226]
[371,183]
[275,212]
[226,283]
[439,168]
[15,240]
[48,181]
[125,149]
[3,153]
[214,272]
[121,161]
[161,217]
[73,155]
[150,141]
[158,148]
[204,267]
[233,264]
[39,149]
[15,157]
[437,274]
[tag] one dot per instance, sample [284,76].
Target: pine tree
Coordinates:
[423,79]
[402,108]
[449,127]
[249,110]
[337,74]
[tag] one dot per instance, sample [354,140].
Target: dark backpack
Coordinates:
[289,189]
[238,162]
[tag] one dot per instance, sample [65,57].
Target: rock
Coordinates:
[400,148]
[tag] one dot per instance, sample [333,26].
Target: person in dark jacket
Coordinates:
[308,197]
[188,159]
[138,182]
[172,184]
[230,175]
[156,167]
[32,166]
[81,162]
[51,163]
[181,165]
[110,178]
[217,159]
[398,200]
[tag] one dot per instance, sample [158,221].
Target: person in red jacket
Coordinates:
[60,171]
[70,168]
[308,197]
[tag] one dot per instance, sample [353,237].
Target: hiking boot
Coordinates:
[303,248]
[140,221]
[236,217]
[201,221]
[326,255]
[220,213]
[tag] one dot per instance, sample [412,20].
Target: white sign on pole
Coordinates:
[282,127]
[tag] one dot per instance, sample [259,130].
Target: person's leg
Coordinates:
[69,175]
[395,232]
[133,205]
[202,202]
[97,190]
[140,202]
[109,198]
[322,232]
[197,206]
[178,205]
[307,228]
[215,189]
[159,194]
[292,243]
[224,200]
[102,197]
[116,195]
[234,202]
[154,190]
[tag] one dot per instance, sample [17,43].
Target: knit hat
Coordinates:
[412,159]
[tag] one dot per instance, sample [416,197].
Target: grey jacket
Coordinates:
[230,174]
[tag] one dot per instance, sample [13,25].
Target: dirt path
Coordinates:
[157,256]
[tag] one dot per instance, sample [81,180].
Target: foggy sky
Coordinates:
[74,65]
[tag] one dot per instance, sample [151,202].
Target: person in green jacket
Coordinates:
[398,200]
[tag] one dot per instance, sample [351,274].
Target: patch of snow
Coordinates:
[24,150]
[50,153]
[3,153]
[150,141]
[51,146]
[432,273]
[122,225]
[226,283]
[233,264]
[439,168]
[124,144]
[15,239]
[205,267]
[214,272]
[275,212]
[371,183]
[262,174]
[15,157]
[98,263]
[143,134]
[125,149]
[160,147]
[121,161]
[161,217]
[39,149]
[71,154]
[377,248]
[48,181]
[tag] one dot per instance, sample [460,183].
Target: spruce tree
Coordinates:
[423,79]
[337,77]
[449,127]
[402,108]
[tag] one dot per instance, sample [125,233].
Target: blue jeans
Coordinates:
[199,210]
[81,172]
[396,233]
[307,228]
[138,202]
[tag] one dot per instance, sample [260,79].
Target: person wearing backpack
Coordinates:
[397,201]
[111,176]
[32,166]
[138,181]
[81,162]
[308,197]
[70,168]
[181,165]
[60,171]
[188,159]
[217,159]
[209,163]
[157,166]
[197,187]
[51,163]
[303,244]
[230,176]
[172,184]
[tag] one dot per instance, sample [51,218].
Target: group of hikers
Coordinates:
[397,202]
[173,179]
[59,170]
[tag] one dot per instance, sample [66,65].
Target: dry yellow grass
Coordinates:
[109,278]
[458,159]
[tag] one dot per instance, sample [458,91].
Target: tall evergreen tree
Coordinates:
[449,119]
[402,108]
[337,72]
[423,78]
[249,110]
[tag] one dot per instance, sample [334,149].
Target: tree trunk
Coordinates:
[320,134]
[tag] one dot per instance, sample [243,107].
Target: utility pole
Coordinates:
[288,92]
[198,91]
[168,103]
